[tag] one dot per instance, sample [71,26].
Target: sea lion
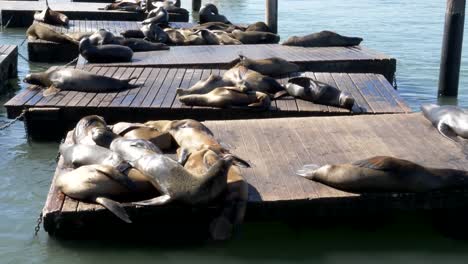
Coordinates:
[98,184]
[385,174]
[228,97]
[133,33]
[175,37]
[215,26]
[168,176]
[102,37]
[271,66]
[44,32]
[259,26]
[322,39]
[77,36]
[83,132]
[246,79]
[170,7]
[193,136]
[451,121]
[205,86]
[51,17]
[163,140]
[209,37]
[154,33]
[77,80]
[105,53]
[209,13]
[125,5]
[157,16]
[318,92]
[255,37]
[224,38]
[137,45]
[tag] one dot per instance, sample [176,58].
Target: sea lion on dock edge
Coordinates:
[210,13]
[105,53]
[385,174]
[271,66]
[51,17]
[77,80]
[451,121]
[170,178]
[102,37]
[322,39]
[245,79]
[137,45]
[255,37]
[44,32]
[318,92]
[205,86]
[228,97]
[83,132]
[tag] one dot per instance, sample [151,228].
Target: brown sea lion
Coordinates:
[209,13]
[44,32]
[157,16]
[137,45]
[51,17]
[318,92]
[228,97]
[246,79]
[133,33]
[225,39]
[255,37]
[162,140]
[77,36]
[104,53]
[77,80]
[385,174]
[205,86]
[154,33]
[125,5]
[175,37]
[209,37]
[259,26]
[83,132]
[218,26]
[271,66]
[322,39]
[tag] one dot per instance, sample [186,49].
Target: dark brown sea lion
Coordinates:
[385,174]
[132,33]
[228,97]
[205,86]
[44,32]
[209,13]
[77,80]
[318,92]
[322,39]
[271,66]
[154,33]
[104,53]
[51,17]
[246,79]
[125,5]
[157,16]
[255,37]
[258,26]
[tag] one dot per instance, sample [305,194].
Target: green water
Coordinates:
[409,30]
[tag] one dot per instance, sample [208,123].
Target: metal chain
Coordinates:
[38,225]
[13,121]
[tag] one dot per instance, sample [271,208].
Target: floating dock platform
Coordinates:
[355,59]
[156,97]
[276,148]
[8,63]
[20,13]
[47,51]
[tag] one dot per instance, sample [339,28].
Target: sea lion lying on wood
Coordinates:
[451,121]
[210,13]
[255,37]
[322,39]
[104,53]
[44,32]
[51,17]
[271,66]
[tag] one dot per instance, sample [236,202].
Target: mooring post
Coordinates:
[452,48]
[271,15]
[196,4]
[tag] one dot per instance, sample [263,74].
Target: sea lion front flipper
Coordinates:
[160,200]
[52,90]
[280,94]
[237,161]
[446,131]
[115,207]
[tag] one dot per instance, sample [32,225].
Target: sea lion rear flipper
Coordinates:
[50,91]
[280,94]
[160,200]
[237,161]
[446,131]
[115,207]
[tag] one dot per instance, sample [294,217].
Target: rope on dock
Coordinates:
[8,23]
[28,61]
[13,121]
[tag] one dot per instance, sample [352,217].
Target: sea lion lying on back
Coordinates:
[385,174]
[105,53]
[271,66]
[318,92]
[209,13]
[44,32]
[451,121]
[77,80]
[322,39]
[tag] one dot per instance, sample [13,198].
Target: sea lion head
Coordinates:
[346,100]
[34,78]
[103,136]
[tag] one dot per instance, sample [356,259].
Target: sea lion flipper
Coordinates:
[237,161]
[160,200]
[115,207]
[446,131]
[280,94]
[183,156]
[50,91]
[119,176]
[307,170]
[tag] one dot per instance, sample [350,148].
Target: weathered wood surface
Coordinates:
[8,63]
[157,97]
[330,59]
[276,148]
[46,51]
[20,13]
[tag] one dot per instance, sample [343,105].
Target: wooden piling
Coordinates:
[196,4]
[452,48]
[271,15]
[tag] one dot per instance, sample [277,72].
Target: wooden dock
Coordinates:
[330,59]
[276,148]
[157,98]
[46,51]
[20,13]
[8,63]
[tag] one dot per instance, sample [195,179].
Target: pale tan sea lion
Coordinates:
[246,79]
[205,86]
[271,66]
[451,121]
[44,32]
[163,140]
[224,38]
[322,39]
[385,174]
[83,132]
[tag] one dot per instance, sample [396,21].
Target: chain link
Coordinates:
[7,125]
[38,225]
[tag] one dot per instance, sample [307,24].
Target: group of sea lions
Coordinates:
[251,84]
[125,163]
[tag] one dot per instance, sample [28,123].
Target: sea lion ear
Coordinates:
[446,131]
[52,90]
